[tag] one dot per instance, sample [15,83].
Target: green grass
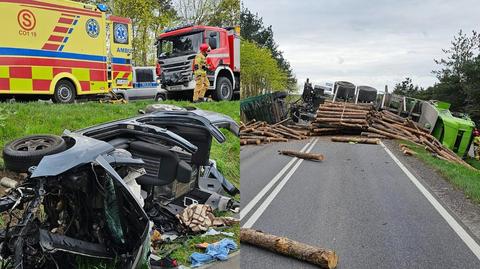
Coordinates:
[21,119]
[474,163]
[463,178]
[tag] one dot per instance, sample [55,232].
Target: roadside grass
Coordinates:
[21,119]
[465,179]
[473,162]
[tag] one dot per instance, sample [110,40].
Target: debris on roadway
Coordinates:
[364,119]
[322,257]
[258,132]
[355,140]
[302,155]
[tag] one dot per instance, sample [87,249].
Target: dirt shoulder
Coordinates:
[454,199]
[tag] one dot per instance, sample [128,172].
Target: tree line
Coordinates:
[458,76]
[151,17]
[264,68]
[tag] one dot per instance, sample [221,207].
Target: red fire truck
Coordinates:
[176,50]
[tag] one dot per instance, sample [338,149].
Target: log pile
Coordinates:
[364,120]
[324,258]
[259,132]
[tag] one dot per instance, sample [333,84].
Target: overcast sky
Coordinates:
[366,42]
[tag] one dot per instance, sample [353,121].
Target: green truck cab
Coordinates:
[454,130]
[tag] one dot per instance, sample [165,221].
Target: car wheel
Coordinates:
[64,92]
[224,89]
[21,154]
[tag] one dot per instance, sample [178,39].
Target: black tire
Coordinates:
[160,97]
[224,90]
[21,154]
[64,92]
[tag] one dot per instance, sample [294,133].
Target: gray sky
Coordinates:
[366,42]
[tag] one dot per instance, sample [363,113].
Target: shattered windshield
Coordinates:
[174,46]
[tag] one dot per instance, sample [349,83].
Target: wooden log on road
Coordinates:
[373,135]
[338,120]
[302,155]
[326,130]
[322,257]
[360,140]
[340,116]
[261,138]
[277,139]
[394,136]
[250,141]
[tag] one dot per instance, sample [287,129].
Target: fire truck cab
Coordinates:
[176,50]
[62,50]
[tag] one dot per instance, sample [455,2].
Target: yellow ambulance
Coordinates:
[62,50]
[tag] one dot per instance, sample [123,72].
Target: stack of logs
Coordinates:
[363,119]
[258,132]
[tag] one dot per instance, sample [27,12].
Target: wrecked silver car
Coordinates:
[97,192]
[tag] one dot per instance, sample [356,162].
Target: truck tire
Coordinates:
[21,154]
[160,97]
[64,92]
[224,90]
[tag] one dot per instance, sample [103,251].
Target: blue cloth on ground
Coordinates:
[218,250]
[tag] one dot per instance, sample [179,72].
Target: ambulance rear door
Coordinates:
[120,39]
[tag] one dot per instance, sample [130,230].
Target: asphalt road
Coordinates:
[357,202]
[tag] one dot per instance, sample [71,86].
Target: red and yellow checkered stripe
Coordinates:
[38,79]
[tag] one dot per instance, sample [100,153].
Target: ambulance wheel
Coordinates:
[21,154]
[224,90]
[64,92]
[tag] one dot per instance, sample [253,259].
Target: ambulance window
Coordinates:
[120,33]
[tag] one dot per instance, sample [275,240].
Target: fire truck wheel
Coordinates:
[64,92]
[224,90]
[21,154]
[160,97]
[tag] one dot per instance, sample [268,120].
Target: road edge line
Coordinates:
[452,222]
[256,215]
[245,210]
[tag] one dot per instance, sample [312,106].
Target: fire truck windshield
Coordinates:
[174,46]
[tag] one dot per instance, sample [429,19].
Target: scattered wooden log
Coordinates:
[250,141]
[265,133]
[406,150]
[322,257]
[277,139]
[373,135]
[355,139]
[302,155]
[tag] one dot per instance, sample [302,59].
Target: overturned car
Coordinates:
[97,192]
